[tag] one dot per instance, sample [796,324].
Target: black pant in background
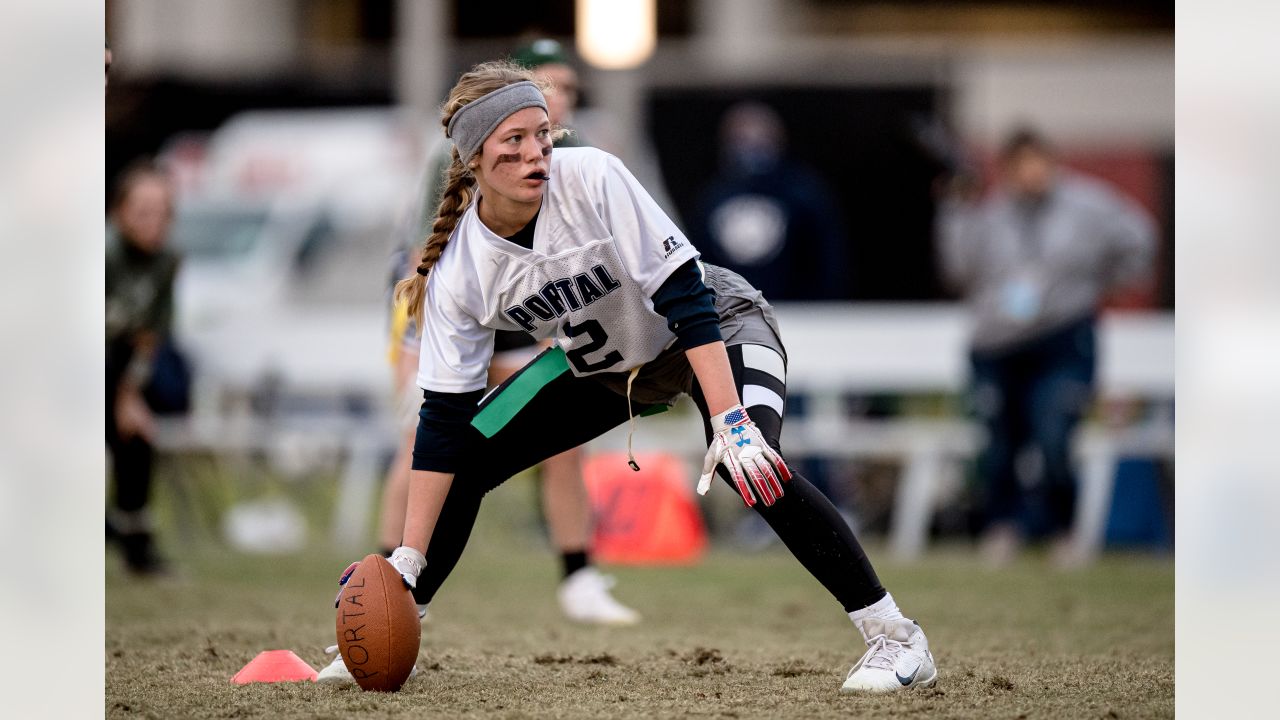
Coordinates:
[131,458]
[1030,399]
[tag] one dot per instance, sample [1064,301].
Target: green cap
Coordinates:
[542,51]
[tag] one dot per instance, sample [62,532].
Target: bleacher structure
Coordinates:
[835,350]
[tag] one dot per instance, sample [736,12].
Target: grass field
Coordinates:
[737,636]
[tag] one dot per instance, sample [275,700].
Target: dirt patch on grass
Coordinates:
[796,668]
[1001,683]
[703,656]
[553,659]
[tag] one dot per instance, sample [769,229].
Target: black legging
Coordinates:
[132,457]
[803,518]
[569,411]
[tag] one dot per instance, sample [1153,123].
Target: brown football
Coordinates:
[378,627]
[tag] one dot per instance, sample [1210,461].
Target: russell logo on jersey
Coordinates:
[563,295]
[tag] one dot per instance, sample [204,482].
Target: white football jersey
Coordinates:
[601,248]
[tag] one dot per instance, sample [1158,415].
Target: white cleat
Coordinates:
[337,673]
[585,598]
[897,658]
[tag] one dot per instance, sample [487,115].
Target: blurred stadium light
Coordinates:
[616,34]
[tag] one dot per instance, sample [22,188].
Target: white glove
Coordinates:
[410,563]
[752,464]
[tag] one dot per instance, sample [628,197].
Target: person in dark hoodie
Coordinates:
[769,218]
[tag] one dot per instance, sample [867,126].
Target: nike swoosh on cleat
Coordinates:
[908,679]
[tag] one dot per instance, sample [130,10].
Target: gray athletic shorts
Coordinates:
[746,318]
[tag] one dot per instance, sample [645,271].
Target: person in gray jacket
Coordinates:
[1033,262]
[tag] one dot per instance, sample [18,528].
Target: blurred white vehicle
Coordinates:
[285,231]
[280,152]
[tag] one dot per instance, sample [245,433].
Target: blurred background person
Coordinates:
[768,217]
[140,273]
[1034,262]
[584,593]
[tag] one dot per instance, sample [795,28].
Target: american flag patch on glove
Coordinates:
[735,416]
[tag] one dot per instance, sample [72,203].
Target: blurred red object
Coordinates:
[647,517]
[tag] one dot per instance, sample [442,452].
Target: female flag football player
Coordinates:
[584,594]
[569,247]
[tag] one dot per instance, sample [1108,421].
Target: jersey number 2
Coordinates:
[598,337]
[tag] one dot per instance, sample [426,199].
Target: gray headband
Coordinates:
[473,122]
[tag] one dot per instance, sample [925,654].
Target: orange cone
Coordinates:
[274,666]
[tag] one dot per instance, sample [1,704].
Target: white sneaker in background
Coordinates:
[585,597]
[897,658]
[1001,545]
[336,672]
[1065,554]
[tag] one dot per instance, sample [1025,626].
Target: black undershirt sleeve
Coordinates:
[442,427]
[689,307]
